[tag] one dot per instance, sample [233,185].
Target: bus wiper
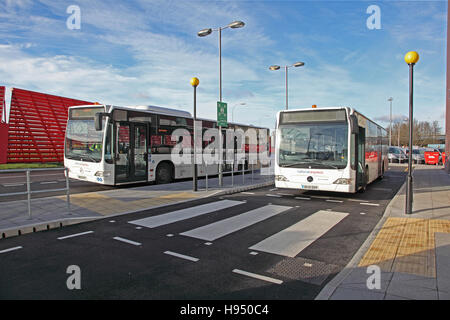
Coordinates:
[314,163]
[295,163]
[324,164]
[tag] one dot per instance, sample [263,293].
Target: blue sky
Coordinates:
[145,52]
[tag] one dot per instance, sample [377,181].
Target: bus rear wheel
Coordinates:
[164,173]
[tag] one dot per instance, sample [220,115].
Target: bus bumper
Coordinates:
[315,187]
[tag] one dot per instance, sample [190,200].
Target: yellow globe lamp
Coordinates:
[194,82]
[412,57]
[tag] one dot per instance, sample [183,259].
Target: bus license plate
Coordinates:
[309,187]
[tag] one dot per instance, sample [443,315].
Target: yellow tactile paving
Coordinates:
[105,205]
[406,245]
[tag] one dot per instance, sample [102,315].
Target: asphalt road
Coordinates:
[237,250]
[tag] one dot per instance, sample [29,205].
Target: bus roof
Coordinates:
[160,110]
[351,110]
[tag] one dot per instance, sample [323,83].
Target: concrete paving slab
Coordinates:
[414,280]
[356,294]
[408,291]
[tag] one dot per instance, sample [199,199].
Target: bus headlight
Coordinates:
[102,174]
[343,181]
[280,178]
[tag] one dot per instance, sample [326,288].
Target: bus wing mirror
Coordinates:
[98,120]
[354,124]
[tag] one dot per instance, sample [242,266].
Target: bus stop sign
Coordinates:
[222,119]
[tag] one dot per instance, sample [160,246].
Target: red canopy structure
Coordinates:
[36,127]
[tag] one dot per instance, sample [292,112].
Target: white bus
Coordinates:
[131,144]
[328,149]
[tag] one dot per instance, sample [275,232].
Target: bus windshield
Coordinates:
[83,142]
[321,146]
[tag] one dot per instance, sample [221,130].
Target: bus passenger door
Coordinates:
[132,157]
[122,159]
[139,152]
[361,179]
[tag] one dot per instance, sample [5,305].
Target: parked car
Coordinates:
[396,154]
[418,156]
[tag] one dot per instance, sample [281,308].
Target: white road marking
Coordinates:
[357,200]
[138,228]
[273,195]
[292,240]
[182,256]
[208,243]
[11,249]
[127,241]
[370,204]
[183,214]
[75,235]
[258,276]
[336,201]
[320,197]
[284,194]
[247,192]
[302,198]
[12,184]
[308,265]
[253,253]
[112,221]
[169,235]
[48,182]
[273,189]
[363,213]
[224,227]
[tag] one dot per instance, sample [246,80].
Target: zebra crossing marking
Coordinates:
[183,214]
[294,239]
[227,226]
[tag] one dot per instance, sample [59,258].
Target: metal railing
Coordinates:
[29,192]
[233,171]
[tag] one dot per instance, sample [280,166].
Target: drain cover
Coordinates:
[306,270]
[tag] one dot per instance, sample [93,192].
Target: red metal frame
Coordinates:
[431,157]
[37,124]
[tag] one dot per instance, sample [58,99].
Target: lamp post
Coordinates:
[276,67]
[204,33]
[232,114]
[390,122]
[411,59]
[194,83]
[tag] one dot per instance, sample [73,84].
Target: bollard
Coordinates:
[206,173]
[67,190]
[243,171]
[29,194]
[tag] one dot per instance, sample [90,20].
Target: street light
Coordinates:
[276,67]
[411,59]
[232,114]
[390,122]
[195,82]
[204,33]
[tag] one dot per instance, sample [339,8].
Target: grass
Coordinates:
[9,166]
